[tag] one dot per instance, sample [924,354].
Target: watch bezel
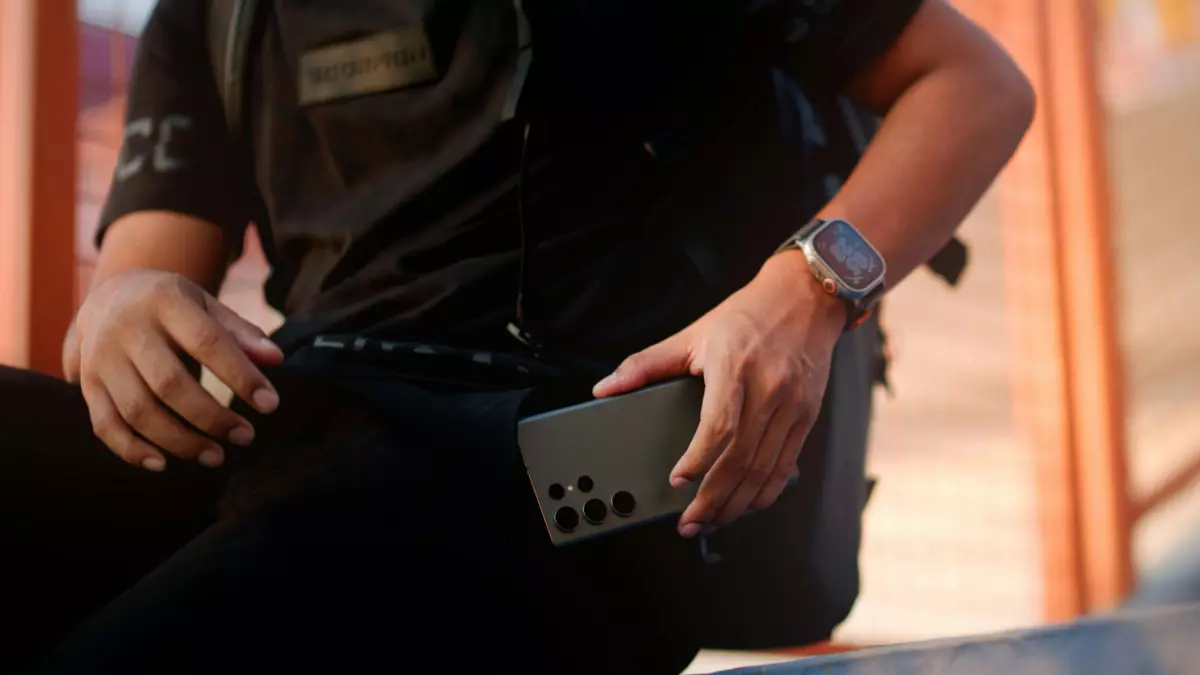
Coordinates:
[804,241]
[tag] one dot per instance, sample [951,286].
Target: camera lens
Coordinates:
[556,491]
[566,519]
[585,484]
[623,504]
[594,511]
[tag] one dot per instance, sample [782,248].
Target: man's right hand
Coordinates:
[125,350]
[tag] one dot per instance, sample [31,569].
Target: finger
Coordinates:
[732,466]
[762,468]
[144,415]
[658,362]
[180,391]
[260,348]
[212,345]
[786,470]
[720,410]
[110,428]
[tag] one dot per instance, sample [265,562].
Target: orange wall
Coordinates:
[14,190]
[38,68]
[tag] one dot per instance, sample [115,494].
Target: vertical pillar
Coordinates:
[1036,308]
[1089,271]
[39,80]
[1059,268]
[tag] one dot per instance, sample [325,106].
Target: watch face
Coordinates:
[848,255]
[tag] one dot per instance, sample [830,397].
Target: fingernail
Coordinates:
[690,530]
[211,458]
[608,381]
[268,344]
[265,400]
[155,464]
[680,481]
[242,435]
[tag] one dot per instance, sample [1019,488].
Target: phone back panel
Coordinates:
[605,465]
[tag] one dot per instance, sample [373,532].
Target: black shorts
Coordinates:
[374,525]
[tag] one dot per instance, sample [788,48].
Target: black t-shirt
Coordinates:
[398,201]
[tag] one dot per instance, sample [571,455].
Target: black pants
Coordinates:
[350,538]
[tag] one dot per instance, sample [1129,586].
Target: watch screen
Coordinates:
[848,255]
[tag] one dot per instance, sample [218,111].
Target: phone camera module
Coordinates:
[594,511]
[623,504]
[566,519]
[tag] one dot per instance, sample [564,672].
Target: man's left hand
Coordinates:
[764,354]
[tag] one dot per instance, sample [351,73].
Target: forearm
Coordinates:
[939,148]
[167,242]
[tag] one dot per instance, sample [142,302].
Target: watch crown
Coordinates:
[829,286]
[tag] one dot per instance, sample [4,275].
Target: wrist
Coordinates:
[790,269]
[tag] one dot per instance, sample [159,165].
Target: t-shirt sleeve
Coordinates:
[176,152]
[824,44]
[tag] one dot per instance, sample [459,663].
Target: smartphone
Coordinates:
[605,465]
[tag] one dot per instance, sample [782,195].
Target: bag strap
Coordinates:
[950,262]
[231,26]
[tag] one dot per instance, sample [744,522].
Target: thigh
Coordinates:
[77,524]
[404,548]
[365,565]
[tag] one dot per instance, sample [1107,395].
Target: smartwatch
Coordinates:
[845,264]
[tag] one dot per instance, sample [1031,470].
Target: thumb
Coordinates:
[252,339]
[662,361]
[72,358]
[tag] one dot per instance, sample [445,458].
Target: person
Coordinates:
[437,256]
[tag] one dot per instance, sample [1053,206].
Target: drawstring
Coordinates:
[520,327]
[524,327]
[522,178]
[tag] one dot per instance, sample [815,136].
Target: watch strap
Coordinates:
[857,311]
[793,242]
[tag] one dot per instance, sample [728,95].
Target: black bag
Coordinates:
[789,575]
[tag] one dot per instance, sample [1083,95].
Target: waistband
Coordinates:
[553,381]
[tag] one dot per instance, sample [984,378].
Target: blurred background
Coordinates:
[1038,455]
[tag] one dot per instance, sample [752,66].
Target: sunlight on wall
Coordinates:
[127,16]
